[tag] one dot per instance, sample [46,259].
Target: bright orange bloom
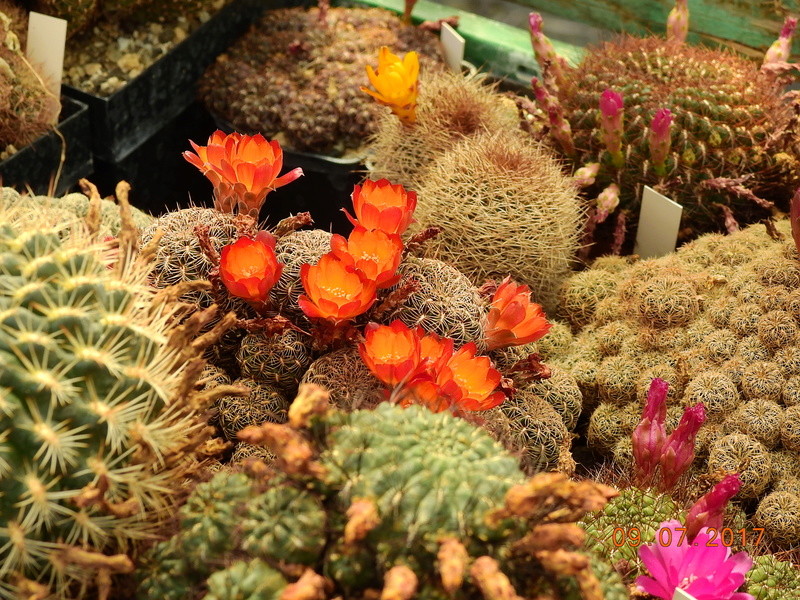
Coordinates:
[249,268]
[435,351]
[513,319]
[424,390]
[243,169]
[335,289]
[392,352]
[376,254]
[470,381]
[381,205]
[396,82]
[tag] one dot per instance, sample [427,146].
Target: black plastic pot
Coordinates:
[123,121]
[37,164]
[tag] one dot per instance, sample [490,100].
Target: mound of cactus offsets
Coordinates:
[454,515]
[298,73]
[27,108]
[97,389]
[704,127]
[718,320]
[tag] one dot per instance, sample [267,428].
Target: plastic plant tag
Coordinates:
[659,222]
[45,51]
[453,45]
[681,595]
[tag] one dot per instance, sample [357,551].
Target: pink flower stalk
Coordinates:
[559,126]
[409,8]
[659,139]
[794,218]
[709,510]
[586,175]
[678,452]
[543,50]
[678,22]
[704,568]
[607,202]
[611,117]
[650,434]
[781,49]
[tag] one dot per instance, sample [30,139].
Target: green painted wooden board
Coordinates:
[503,50]
[749,26]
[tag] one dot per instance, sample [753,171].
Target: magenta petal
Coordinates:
[654,588]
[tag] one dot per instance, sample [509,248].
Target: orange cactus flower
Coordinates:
[381,205]
[242,168]
[424,391]
[376,253]
[396,82]
[335,289]
[435,351]
[513,319]
[469,381]
[392,352]
[249,268]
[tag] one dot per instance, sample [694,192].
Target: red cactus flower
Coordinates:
[242,168]
[611,124]
[376,253]
[513,319]
[678,452]
[469,381]
[381,205]
[392,352]
[335,289]
[659,139]
[249,268]
[709,510]
[650,435]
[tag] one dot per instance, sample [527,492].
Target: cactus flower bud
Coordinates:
[586,175]
[611,118]
[650,435]
[678,451]
[607,202]
[543,49]
[659,139]
[409,8]
[678,22]
[781,49]
[794,218]
[559,126]
[709,510]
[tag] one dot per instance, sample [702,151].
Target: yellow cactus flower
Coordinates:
[396,82]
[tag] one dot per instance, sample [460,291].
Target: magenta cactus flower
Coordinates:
[781,49]
[678,21]
[659,139]
[650,434]
[678,452]
[546,56]
[709,510]
[586,175]
[611,128]
[559,126]
[703,568]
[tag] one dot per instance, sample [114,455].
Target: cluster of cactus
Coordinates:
[27,108]
[96,397]
[718,320]
[401,499]
[295,74]
[703,126]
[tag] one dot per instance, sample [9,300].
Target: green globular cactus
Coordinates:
[264,402]
[724,114]
[364,496]
[773,579]
[253,580]
[92,414]
[279,360]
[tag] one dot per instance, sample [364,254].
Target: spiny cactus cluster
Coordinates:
[730,148]
[400,499]
[96,385]
[297,75]
[718,320]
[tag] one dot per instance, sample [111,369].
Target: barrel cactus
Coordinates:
[394,495]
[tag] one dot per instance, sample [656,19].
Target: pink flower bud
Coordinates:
[678,22]
[650,435]
[659,139]
[535,21]
[586,175]
[543,50]
[678,452]
[559,126]
[781,49]
[709,510]
[607,202]
[611,116]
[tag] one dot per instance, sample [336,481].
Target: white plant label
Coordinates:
[659,222]
[46,39]
[453,45]
[681,595]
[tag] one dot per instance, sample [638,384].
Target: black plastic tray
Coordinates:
[123,121]
[35,165]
